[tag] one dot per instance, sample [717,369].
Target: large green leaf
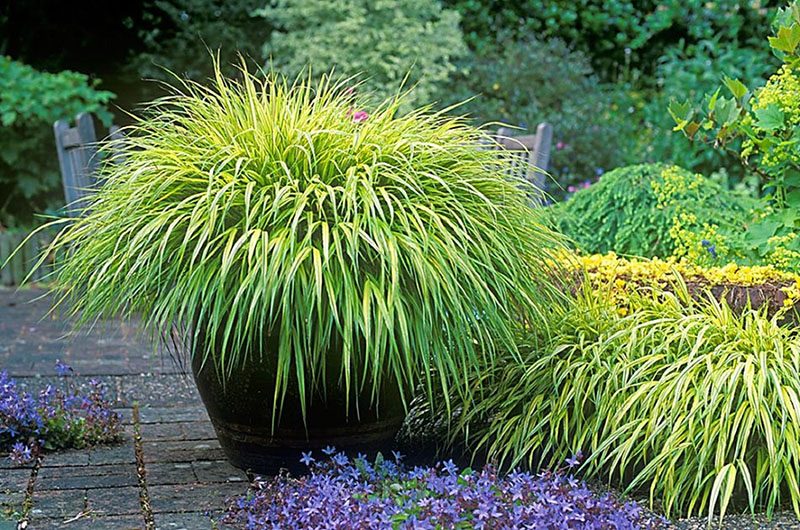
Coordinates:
[770,117]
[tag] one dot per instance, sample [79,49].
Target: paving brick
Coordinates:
[12,480]
[86,477]
[162,431]
[11,501]
[193,497]
[159,389]
[114,501]
[182,451]
[170,473]
[218,471]
[126,414]
[68,457]
[6,463]
[89,522]
[115,454]
[63,504]
[182,521]
[198,430]
[176,414]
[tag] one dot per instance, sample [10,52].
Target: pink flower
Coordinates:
[560,145]
[360,116]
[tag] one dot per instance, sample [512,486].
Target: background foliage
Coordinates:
[618,35]
[30,101]
[381,39]
[179,35]
[526,82]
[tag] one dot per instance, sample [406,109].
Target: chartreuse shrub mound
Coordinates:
[685,401]
[262,209]
[653,210]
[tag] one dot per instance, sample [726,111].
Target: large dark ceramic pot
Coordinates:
[240,408]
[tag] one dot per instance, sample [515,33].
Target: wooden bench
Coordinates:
[530,153]
[77,155]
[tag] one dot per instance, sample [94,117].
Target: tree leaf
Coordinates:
[769,118]
[681,112]
[726,111]
[736,87]
[787,39]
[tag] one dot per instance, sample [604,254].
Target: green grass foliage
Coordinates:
[685,400]
[258,208]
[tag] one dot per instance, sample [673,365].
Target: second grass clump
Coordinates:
[684,401]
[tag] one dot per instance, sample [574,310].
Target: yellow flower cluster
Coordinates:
[782,90]
[688,238]
[624,274]
[780,256]
[673,184]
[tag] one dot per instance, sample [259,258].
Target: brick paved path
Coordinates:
[183,473]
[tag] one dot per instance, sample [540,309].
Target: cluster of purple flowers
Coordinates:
[55,418]
[344,493]
[581,186]
[711,248]
[586,183]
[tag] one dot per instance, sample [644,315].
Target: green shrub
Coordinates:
[258,210]
[30,101]
[525,82]
[684,399]
[654,210]
[384,41]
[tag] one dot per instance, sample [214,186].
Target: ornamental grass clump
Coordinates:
[349,494]
[685,400]
[257,210]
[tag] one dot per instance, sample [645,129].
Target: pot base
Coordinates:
[241,406]
[263,452]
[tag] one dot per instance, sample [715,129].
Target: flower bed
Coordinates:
[56,418]
[344,493]
[761,285]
